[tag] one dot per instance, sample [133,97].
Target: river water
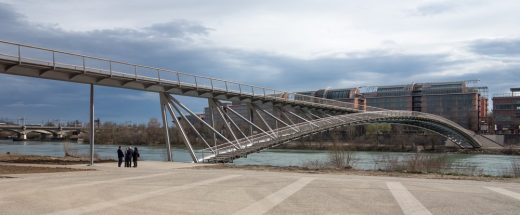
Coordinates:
[476,163]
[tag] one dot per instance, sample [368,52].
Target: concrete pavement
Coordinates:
[166,188]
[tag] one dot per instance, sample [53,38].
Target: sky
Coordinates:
[287,45]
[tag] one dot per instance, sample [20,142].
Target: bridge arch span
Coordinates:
[459,135]
[11,130]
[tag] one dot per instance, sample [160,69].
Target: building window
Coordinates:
[502,118]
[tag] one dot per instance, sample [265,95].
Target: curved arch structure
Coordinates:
[226,152]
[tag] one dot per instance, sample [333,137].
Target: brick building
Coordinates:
[506,112]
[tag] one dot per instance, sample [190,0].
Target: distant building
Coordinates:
[506,112]
[458,101]
[351,95]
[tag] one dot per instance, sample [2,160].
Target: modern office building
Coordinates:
[462,101]
[506,112]
[351,95]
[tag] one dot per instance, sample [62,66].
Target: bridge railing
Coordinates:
[61,59]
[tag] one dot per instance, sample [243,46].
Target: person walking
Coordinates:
[120,156]
[135,155]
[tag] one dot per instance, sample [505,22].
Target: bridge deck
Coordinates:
[70,67]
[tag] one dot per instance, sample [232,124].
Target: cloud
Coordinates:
[178,29]
[28,105]
[434,8]
[176,45]
[496,47]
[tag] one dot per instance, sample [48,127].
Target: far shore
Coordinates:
[39,159]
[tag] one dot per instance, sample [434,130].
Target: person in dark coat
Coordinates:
[120,156]
[135,155]
[128,157]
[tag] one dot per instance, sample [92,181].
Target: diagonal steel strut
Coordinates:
[278,119]
[251,123]
[173,99]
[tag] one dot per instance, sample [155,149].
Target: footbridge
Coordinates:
[228,151]
[271,117]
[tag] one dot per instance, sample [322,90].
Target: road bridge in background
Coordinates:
[22,130]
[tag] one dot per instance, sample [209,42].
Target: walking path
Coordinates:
[166,188]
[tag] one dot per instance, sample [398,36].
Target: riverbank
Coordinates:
[17,169]
[350,171]
[38,159]
[365,147]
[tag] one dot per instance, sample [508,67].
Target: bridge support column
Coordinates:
[251,118]
[181,129]
[212,116]
[22,136]
[58,135]
[91,129]
[166,127]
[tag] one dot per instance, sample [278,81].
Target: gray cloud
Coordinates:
[178,29]
[153,45]
[434,8]
[496,47]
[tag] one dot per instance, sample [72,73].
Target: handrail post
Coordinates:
[196,84]
[264,92]
[135,72]
[53,61]
[19,55]
[178,79]
[240,89]
[253,90]
[110,67]
[159,76]
[225,83]
[211,83]
[84,67]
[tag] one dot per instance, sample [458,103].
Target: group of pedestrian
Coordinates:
[129,155]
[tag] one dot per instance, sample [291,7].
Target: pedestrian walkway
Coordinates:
[166,188]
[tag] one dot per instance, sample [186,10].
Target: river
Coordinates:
[481,163]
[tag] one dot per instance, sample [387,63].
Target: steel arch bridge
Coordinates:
[460,136]
[272,117]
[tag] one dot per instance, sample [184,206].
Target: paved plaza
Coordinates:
[166,188]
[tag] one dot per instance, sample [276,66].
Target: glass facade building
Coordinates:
[506,112]
[458,101]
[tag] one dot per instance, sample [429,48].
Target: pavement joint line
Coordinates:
[138,197]
[505,192]
[264,205]
[408,203]
[68,186]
